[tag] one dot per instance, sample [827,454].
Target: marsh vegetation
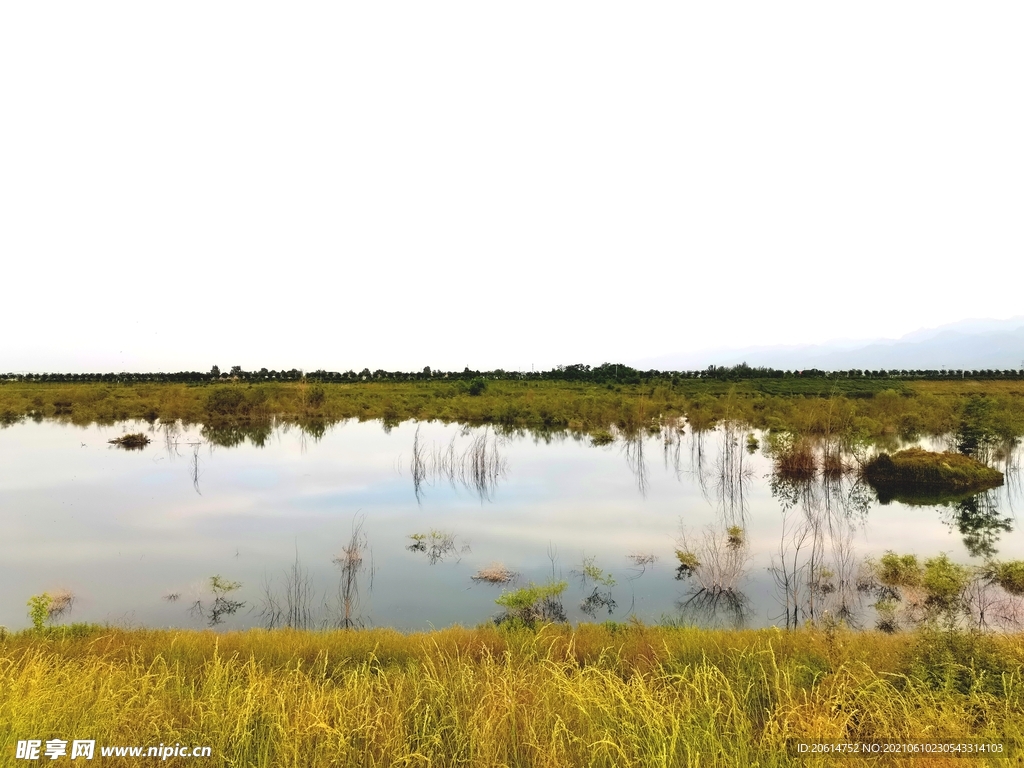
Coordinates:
[131,442]
[705,438]
[981,412]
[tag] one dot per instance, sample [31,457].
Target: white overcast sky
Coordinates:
[400,184]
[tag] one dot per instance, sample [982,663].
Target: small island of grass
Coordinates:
[133,441]
[915,475]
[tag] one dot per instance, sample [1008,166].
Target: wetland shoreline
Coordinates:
[865,409]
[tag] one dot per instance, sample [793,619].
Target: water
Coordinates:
[137,535]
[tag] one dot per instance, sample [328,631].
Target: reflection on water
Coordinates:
[478,466]
[978,521]
[140,536]
[715,563]
[814,566]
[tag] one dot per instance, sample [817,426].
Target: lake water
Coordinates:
[137,535]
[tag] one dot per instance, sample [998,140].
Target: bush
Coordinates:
[227,401]
[945,583]
[534,602]
[39,610]
[899,570]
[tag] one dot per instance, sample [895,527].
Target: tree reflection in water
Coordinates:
[716,564]
[979,523]
[815,568]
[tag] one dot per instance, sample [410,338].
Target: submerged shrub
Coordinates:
[688,563]
[899,570]
[793,457]
[133,441]
[945,583]
[1009,576]
[533,603]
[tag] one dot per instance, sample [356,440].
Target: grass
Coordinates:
[598,695]
[234,411]
[914,474]
[133,441]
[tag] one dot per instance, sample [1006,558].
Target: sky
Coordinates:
[499,185]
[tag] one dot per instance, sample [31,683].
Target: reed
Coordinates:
[603,695]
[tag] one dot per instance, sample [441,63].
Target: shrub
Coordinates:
[899,570]
[945,582]
[315,396]
[227,401]
[688,563]
[39,610]
[533,603]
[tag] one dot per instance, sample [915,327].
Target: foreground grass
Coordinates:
[596,695]
[869,408]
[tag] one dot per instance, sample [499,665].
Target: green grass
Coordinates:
[231,411]
[600,695]
[918,476]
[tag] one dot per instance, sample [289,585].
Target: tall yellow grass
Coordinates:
[593,696]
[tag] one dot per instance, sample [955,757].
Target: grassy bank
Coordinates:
[868,408]
[596,695]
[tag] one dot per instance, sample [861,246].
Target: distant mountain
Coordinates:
[968,344]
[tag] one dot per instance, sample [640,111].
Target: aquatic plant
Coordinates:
[716,563]
[133,441]
[495,573]
[688,563]
[600,598]
[293,606]
[438,545]
[533,603]
[356,564]
[213,603]
[793,457]
[910,593]
[1008,575]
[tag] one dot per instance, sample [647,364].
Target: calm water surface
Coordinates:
[136,535]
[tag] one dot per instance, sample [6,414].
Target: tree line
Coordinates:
[607,373]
